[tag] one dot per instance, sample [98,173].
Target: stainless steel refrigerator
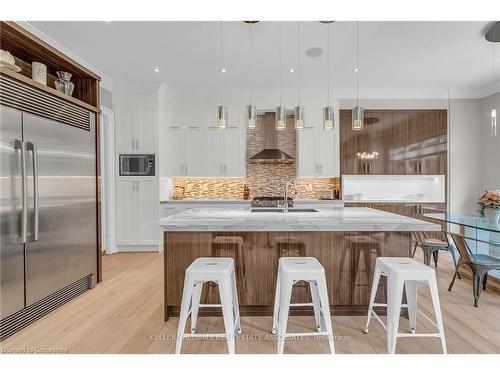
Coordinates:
[48,249]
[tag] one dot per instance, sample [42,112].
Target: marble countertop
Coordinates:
[340,219]
[242,201]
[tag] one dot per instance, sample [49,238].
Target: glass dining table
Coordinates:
[479,234]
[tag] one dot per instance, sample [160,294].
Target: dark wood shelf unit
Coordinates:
[27,48]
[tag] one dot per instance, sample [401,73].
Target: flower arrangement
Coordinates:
[489,199]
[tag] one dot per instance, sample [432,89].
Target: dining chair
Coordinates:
[431,247]
[479,264]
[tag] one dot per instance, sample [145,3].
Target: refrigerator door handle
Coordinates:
[36,219]
[20,145]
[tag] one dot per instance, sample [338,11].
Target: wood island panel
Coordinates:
[348,259]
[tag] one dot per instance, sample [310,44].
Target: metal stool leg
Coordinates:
[411,297]
[437,311]
[186,301]
[375,282]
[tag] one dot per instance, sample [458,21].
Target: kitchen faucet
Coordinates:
[285,204]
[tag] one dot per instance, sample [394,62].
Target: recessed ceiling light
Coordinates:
[156,70]
[356,70]
[292,70]
[314,52]
[223,70]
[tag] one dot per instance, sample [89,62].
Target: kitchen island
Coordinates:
[346,241]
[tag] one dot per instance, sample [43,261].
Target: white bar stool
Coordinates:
[221,272]
[407,273]
[292,270]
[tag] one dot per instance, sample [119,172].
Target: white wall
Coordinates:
[490,146]
[465,155]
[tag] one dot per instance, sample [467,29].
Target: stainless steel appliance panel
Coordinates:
[137,164]
[11,210]
[61,245]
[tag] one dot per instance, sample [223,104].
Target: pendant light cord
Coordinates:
[251,64]
[281,62]
[328,62]
[357,63]
[221,63]
[298,60]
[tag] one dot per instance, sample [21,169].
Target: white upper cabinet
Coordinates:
[306,153]
[185,153]
[124,124]
[146,130]
[234,118]
[194,153]
[317,153]
[174,153]
[136,129]
[234,142]
[184,119]
[313,118]
[225,153]
[213,152]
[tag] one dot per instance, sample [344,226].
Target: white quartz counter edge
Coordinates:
[350,219]
[241,201]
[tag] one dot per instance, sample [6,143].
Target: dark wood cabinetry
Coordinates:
[394,142]
[348,259]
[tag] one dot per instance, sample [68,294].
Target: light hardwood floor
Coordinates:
[124,314]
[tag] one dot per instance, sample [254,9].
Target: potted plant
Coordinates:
[489,205]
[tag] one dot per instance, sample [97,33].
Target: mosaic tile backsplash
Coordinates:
[262,179]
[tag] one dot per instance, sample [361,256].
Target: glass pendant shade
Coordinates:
[299,117]
[251,117]
[493,122]
[358,115]
[328,118]
[222,117]
[280,118]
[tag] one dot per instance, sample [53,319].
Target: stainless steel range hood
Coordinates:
[271,153]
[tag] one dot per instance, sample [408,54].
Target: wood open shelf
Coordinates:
[47,89]
[27,48]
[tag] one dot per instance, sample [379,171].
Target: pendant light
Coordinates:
[299,110]
[221,108]
[328,114]
[251,113]
[493,114]
[280,121]
[358,113]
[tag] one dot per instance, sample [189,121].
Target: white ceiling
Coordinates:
[393,56]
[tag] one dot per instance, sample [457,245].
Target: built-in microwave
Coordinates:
[137,164]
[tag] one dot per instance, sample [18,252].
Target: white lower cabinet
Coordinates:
[136,206]
[317,153]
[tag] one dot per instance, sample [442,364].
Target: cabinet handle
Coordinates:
[415,167]
[225,169]
[137,144]
[420,167]
[321,171]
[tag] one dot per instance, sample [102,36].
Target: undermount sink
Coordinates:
[280,210]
